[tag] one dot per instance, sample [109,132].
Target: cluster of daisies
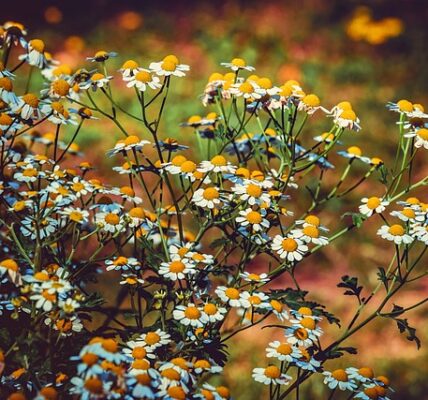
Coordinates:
[62,228]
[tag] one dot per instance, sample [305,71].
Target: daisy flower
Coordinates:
[310,104]
[310,234]
[43,228]
[407,214]
[253,219]
[110,221]
[90,388]
[208,197]
[211,313]
[216,164]
[254,300]
[395,233]
[6,91]
[76,215]
[28,174]
[101,56]
[420,233]
[230,296]
[347,119]
[304,312]
[254,278]
[35,53]
[371,392]
[372,205]
[252,193]
[201,366]
[353,152]
[271,375]
[282,351]
[173,167]
[278,309]
[247,89]
[130,143]
[10,267]
[421,137]
[137,350]
[237,64]
[28,107]
[339,378]
[44,300]
[141,385]
[306,361]
[188,315]
[155,339]
[177,269]
[142,79]
[364,374]
[131,280]
[129,68]
[122,263]
[289,248]
[300,336]
[97,80]
[170,65]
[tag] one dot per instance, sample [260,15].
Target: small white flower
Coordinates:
[208,197]
[189,315]
[271,375]
[142,79]
[395,233]
[372,205]
[177,269]
[282,351]
[339,379]
[289,248]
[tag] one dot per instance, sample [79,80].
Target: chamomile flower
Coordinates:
[421,137]
[89,388]
[143,79]
[247,90]
[202,366]
[110,221]
[237,64]
[6,92]
[129,68]
[253,219]
[230,296]
[310,234]
[75,214]
[301,336]
[372,205]
[211,313]
[363,375]
[35,53]
[254,278]
[307,362]
[28,107]
[208,197]
[254,300]
[10,267]
[278,309]
[309,103]
[252,193]
[122,263]
[217,164]
[177,269]
[189,315]
[101,56]
[370,392]
[155,339]
[395,233]
[137,350]
[170,65]
[28,174]
[282,351]
[271,375]
[347,119]
[95,81]
[353,152]
[339,378]
[420,232]
[38,228]
[132,142]
[407,214]
[44,300]
[289,248]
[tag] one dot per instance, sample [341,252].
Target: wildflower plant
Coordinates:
[178,239]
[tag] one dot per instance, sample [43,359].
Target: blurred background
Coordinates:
[367,52]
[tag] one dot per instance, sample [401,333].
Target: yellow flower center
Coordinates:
[76,216]
[423,133]
[289,245]
[367,372]
[373,202]
[284,348]
[137,212]
[176,267]
[143,76]
[9,264]
[110,345]
[6,84]
[31,100]
[30,172]
[112,219]
[340,375]
[97,77]
[172,58]
[311,231]
[210,309]
[349,115]
[37,45]
[188,166]
[254,300]
[396,230]
[232,293]
[371,393]
[355,151]
[169,66]
[264,83]
[127,191]
[272,372]
[311,100]
[312,220]
[143,379]
[139,352]
[405,106]
[276,305]
[238,62]
[152,338]
[216,76]
[130,64]
[89,359]
[301,334]
[77,186]
[344,105]
[254,190]
[178,160]
[246,87]
[176,392]
[204,364]
[5,119]
[211,194]
[94,385]
[141,364]
[304,311]
[219,161]
[308,323]
[131,139]
[171,374]
[408,212]
[192,313]
[254,217]
[60,87]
